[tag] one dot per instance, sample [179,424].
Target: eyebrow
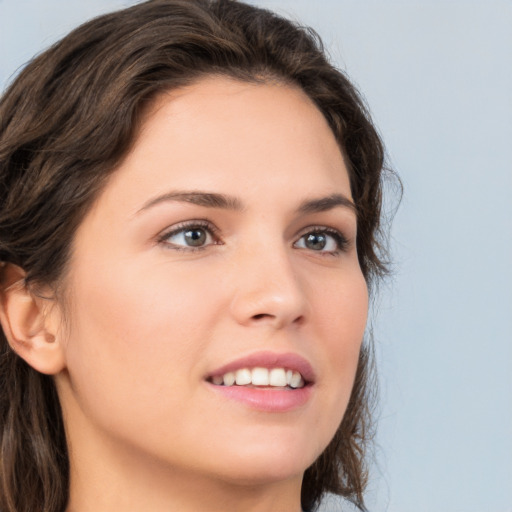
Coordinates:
[323,204]
[207,199]
[226,202]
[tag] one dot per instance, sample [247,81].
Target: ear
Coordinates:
[30,322]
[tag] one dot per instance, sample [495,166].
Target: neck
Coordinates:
[133,490]
[109,479]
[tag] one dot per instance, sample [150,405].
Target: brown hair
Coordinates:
[68,120]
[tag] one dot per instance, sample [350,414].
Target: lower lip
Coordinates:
[266,399]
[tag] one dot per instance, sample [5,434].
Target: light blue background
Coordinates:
[438,77]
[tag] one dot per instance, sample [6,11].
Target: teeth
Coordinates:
[218,380]
[276,377]
[260,377]
[296,381]
[228,378]
[243,377]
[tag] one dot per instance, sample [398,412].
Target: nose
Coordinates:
[268,290]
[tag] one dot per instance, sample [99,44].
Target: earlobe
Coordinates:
[28,324]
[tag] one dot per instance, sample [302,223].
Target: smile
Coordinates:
[265,381]
[261,377]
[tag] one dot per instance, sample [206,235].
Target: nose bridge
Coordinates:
[267,287]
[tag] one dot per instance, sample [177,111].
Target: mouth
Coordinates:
[261,377]
[265,381]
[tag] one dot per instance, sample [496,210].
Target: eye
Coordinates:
[322,240]
[190,236]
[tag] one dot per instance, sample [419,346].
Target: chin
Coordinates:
[273,461]
[265,474]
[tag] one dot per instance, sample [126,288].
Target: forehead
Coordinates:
[234,137]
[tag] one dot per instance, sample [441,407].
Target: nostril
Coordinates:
[260,316]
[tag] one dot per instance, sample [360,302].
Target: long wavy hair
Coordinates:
[67,121]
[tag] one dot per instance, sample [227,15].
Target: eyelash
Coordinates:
[186,226]
[341,241]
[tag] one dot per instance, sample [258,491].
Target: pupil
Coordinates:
[315,241]
[195,237]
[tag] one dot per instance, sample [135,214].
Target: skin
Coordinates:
[148,317]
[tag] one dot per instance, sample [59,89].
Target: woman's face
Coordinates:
[223,247]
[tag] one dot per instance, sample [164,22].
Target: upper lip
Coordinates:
[267,359]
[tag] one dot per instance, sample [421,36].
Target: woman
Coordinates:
[189,223]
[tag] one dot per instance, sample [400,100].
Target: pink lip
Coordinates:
[267,399]
[267,359]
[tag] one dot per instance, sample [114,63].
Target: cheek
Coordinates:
[140,334]
[140,307]
[343,322]
[345,310]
